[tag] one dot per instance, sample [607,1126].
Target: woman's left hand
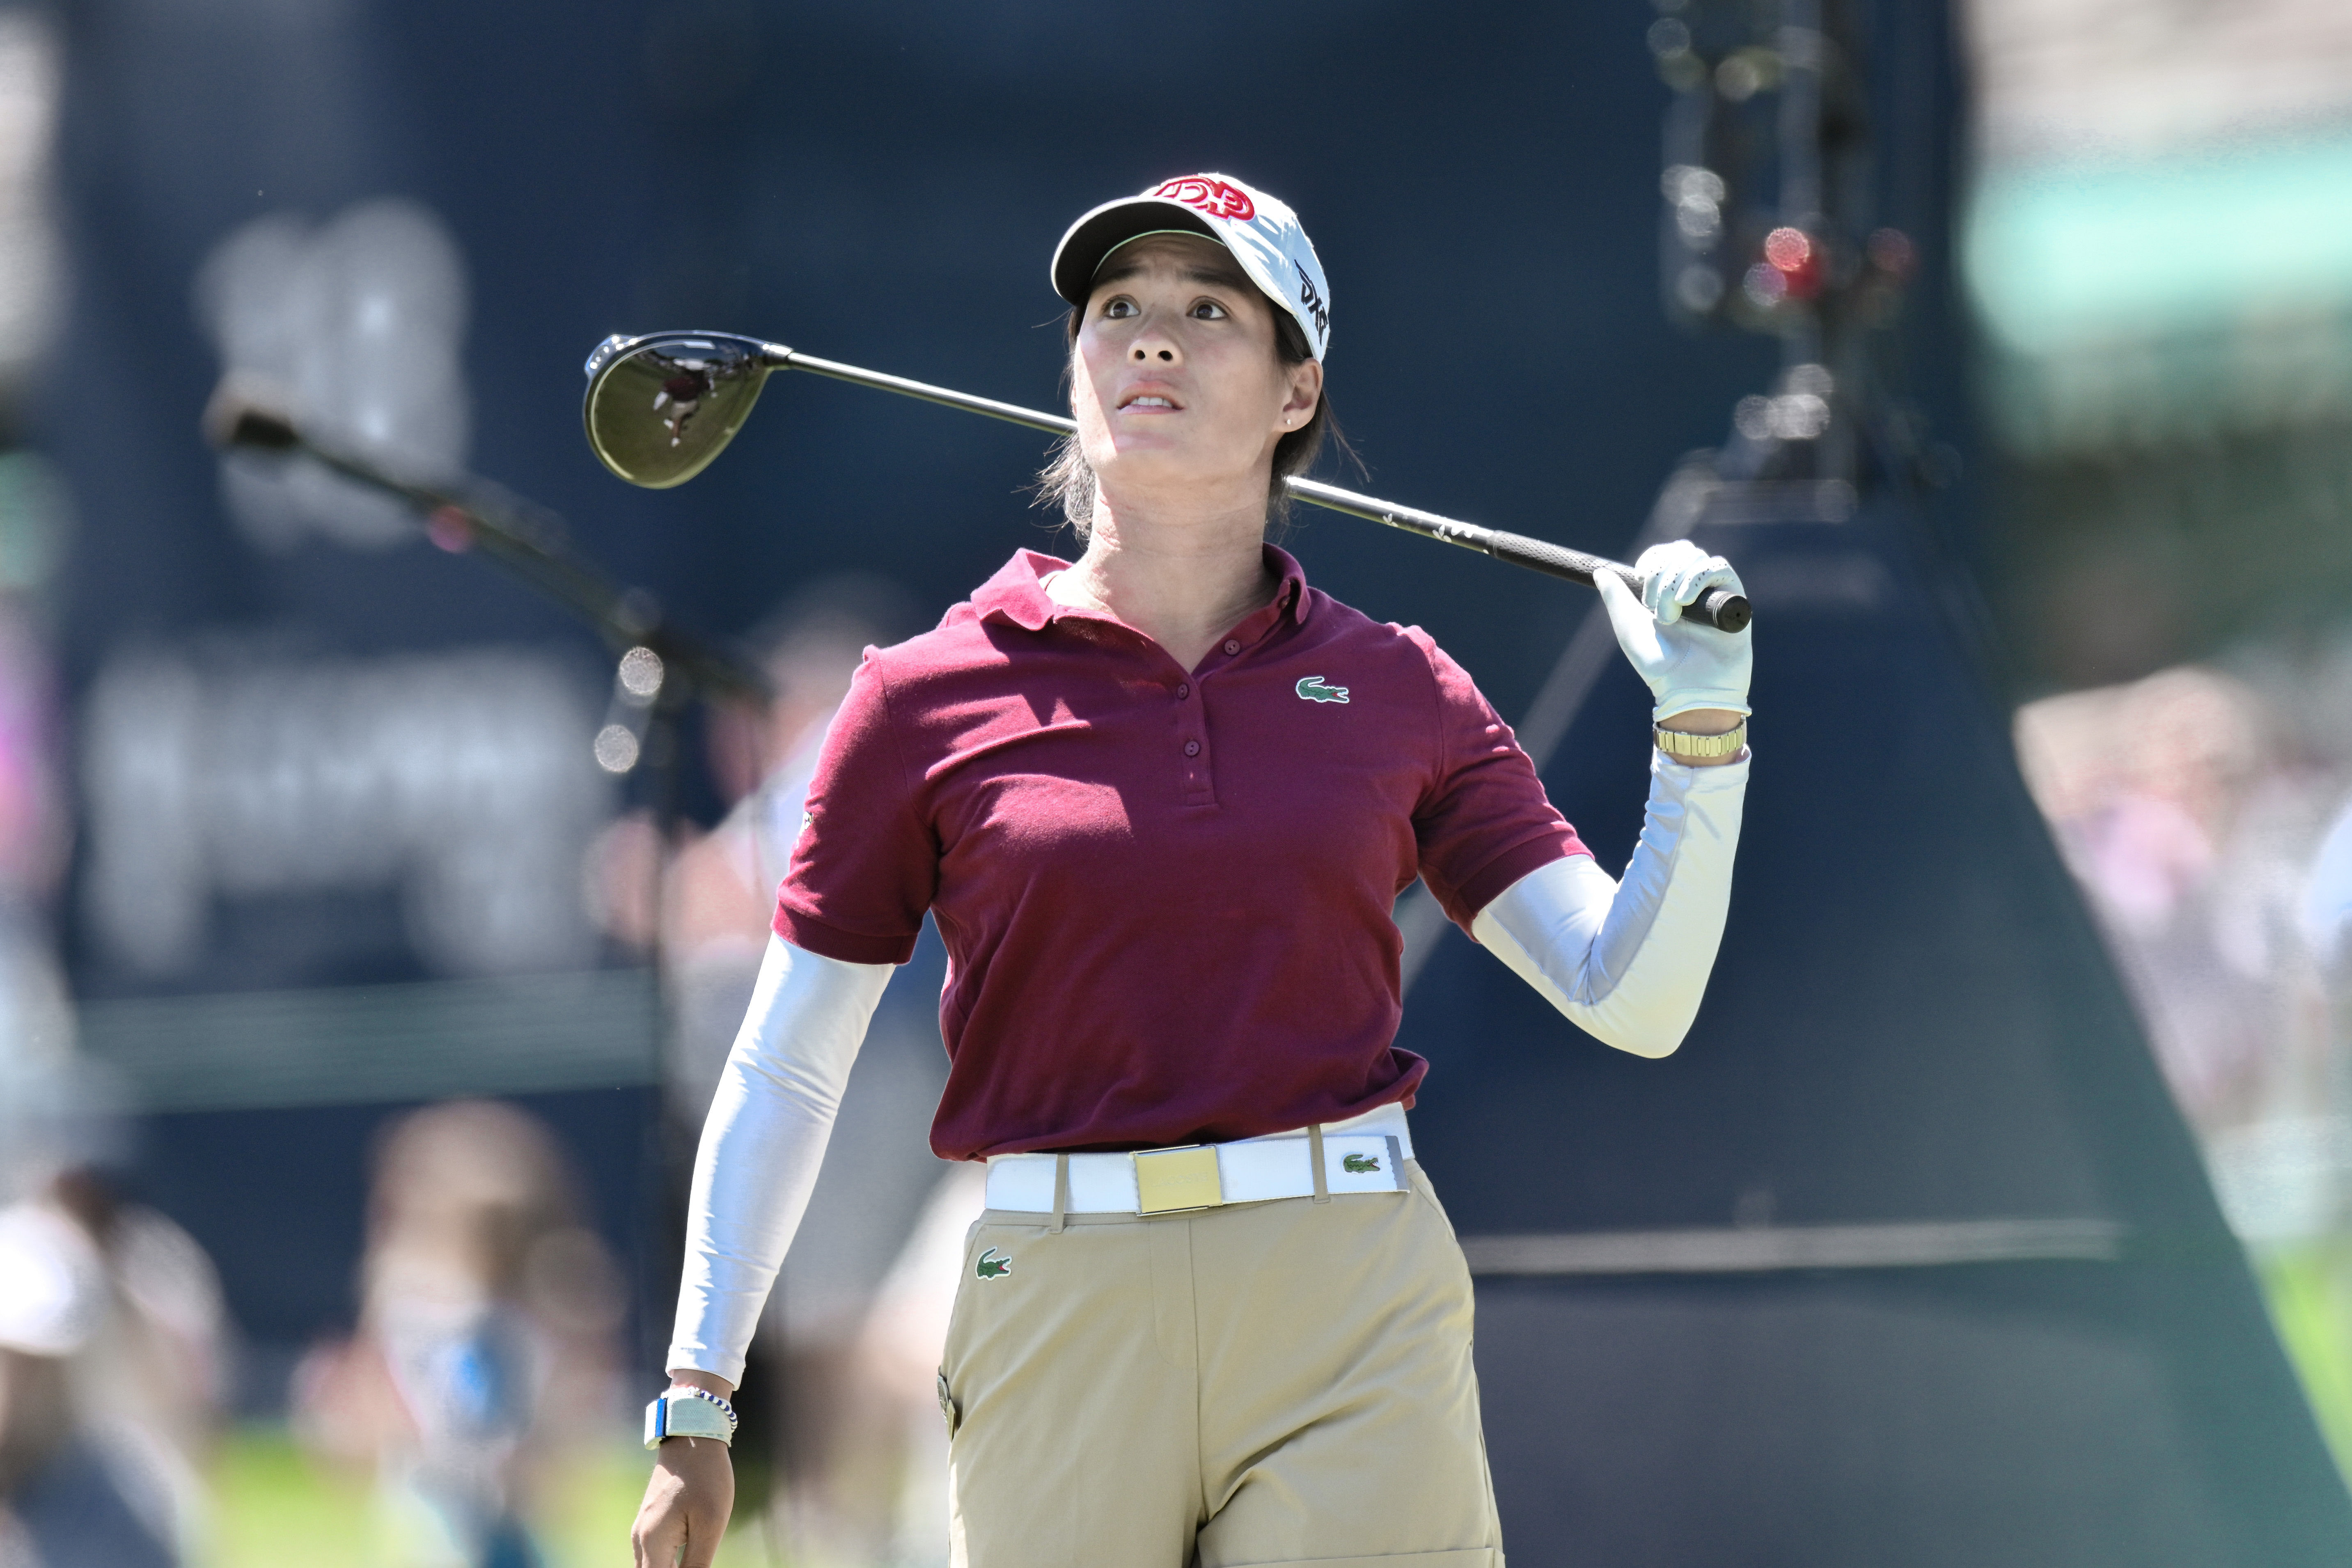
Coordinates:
[1687,666]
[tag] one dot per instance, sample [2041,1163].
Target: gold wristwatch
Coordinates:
[1683,747]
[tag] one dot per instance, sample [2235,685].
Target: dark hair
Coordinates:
[1068,479]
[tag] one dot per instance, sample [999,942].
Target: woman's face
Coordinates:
[1175,377]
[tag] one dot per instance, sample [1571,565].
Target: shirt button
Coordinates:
[1184,690]
[1192,748]
[1232,647]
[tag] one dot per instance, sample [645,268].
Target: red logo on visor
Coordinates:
[1214,197]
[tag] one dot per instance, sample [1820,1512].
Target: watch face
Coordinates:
[688,1416]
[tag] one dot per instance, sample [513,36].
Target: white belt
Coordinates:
[1363,1154]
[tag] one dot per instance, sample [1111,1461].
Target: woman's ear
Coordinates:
[1306,390]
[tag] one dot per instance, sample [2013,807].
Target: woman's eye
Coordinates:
[1209,311]
[1118,308]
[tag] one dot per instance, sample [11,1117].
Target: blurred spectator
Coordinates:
[485,1348]
[2203,841]
[2149,788]
[895,1363]
[110,1381]
[845,1367]
[2195,807]
[718,889]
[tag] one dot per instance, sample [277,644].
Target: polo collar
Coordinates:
[1017,592]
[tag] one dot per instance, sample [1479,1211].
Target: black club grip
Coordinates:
[1718,607]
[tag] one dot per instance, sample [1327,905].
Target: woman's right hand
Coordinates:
[688,1499]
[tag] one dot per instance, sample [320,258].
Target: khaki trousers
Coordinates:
[1271,1383]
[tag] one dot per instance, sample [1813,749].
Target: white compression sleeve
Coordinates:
[763,1144]
[1627,963]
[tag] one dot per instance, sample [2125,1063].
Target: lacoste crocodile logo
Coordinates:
[1314,691]
[1360,1164]
[993,1265]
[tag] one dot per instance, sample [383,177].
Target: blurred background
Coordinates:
[2162,293]
[372,928]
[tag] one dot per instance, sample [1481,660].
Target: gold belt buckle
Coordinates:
[1170,1181]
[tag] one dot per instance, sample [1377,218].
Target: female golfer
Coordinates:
[1161,801]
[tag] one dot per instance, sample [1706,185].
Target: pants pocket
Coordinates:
[1418,1180]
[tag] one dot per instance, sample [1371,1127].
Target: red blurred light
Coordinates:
[450,529]
[1793,256]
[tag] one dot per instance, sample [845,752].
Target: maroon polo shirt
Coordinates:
[1166,894]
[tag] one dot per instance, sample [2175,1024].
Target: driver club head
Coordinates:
[662,405]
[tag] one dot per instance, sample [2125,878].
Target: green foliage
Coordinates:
[2309,1288]
[274,1507]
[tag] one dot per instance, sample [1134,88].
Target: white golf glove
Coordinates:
[1687,666]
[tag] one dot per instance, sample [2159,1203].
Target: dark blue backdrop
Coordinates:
[884,186]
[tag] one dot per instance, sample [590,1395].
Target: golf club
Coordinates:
[662,407]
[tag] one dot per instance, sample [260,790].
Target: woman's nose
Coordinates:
[1152,344]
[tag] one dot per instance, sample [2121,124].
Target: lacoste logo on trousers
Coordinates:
[993,1265]
[1314,691]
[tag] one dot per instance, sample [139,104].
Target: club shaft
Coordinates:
[1537,554]
[793,359]
[1718,608]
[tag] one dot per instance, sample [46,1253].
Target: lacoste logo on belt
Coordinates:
[1313,690]
[1360,1164]
[993,1265]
